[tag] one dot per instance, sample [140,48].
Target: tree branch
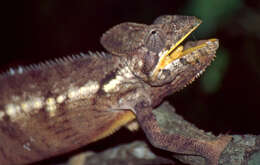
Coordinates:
[242,149]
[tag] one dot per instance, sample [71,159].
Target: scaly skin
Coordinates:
[53,108]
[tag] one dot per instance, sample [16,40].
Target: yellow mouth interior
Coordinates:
[178,52]
[175,52]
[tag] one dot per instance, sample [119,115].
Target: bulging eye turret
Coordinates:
[155,40]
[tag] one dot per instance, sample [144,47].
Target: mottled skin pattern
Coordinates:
[53,108]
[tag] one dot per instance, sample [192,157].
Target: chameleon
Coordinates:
[60,105]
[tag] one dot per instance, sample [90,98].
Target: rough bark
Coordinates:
[242,150]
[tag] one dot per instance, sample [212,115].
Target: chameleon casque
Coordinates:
[60,105]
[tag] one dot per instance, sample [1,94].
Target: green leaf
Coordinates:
[212,79]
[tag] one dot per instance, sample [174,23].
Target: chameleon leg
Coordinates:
[209,149]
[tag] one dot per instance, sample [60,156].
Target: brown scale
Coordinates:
[61,105]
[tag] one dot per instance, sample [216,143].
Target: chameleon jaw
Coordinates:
[180,51]
[175,52]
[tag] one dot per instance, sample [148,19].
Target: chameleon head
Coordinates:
[154,52]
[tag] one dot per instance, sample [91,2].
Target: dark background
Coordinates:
[226,99]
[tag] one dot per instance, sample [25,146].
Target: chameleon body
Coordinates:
[60,105]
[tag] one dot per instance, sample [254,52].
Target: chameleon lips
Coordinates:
[181,51]
[173,53]
[195,48]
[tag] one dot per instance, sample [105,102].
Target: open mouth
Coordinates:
[177,51]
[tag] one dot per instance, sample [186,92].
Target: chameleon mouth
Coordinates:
[176,51]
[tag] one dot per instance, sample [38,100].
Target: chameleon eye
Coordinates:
[155,41]
[150,60]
